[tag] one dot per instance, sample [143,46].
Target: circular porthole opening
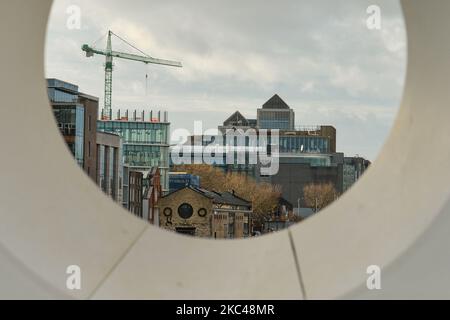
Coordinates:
[297,86]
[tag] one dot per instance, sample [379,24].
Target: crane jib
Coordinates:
[110,54]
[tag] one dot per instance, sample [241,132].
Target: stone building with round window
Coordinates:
[203,213]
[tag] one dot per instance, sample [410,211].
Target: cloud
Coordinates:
[318,55]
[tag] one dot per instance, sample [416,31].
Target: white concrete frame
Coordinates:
[51,216]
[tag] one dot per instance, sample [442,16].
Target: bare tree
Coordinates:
[319,196]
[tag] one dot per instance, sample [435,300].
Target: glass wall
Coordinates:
[58,96]
[274,124]
[287,144]
[145,145]
[101,167]
[55,83]
[297,144]
[79,135]
[313,161]
[70,120]
[144,156]
[275,119]
[137,132]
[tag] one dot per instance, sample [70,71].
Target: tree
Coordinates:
[211,178]
[319,196]
[263,196]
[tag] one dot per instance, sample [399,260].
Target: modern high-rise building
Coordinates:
[276,114]
[76,115]
[307,154]
[99,154]
[297,170]
[145,141]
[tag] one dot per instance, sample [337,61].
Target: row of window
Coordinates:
[60,96]
[136,132]
[55,83]
[145,156]
[304,144]
[275,124]
[275,115]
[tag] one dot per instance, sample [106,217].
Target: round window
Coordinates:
[202,212]
[167,212]
[185,211]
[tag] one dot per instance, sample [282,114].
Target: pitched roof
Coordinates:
[219,198]
[236,119]
[275,103]
[231,199]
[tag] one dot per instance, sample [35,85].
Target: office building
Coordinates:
[98,154]
[145,140]
[307,154]
[75,115]
[296,171]
[275,114]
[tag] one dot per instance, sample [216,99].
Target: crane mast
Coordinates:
[107,109]
[109,55]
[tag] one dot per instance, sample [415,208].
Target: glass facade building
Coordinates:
[98,153]
[275,114]
[145,145]
[69,115]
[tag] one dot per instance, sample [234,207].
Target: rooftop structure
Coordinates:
[275,114]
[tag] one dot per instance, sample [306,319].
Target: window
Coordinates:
[185,211]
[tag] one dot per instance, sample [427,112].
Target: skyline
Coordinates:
[332,76]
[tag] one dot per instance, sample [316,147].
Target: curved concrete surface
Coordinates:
[395,217]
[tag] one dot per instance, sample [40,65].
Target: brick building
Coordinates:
[152,194]
[203,213]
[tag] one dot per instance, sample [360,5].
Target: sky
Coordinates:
[319,56]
